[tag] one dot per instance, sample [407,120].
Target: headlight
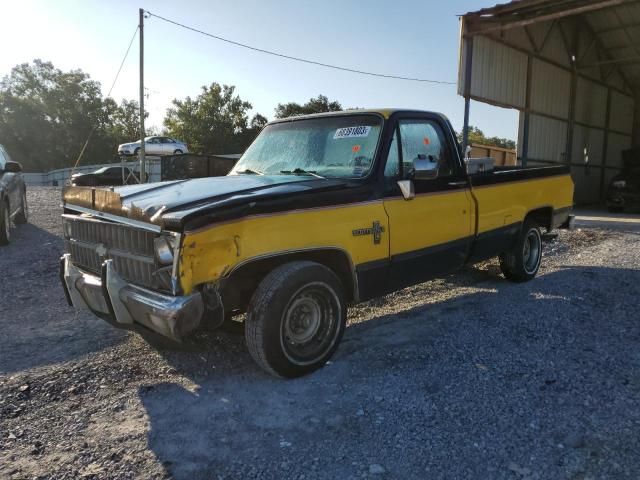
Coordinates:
[164,247]
[619,184]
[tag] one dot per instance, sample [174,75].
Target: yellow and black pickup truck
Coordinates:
[320,212]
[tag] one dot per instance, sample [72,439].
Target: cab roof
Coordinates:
[384,112]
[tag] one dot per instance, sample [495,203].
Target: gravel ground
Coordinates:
[465,377]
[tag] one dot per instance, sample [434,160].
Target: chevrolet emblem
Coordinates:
[101,250]
[376,230]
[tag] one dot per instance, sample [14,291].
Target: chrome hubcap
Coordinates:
[303,320]
[310,323]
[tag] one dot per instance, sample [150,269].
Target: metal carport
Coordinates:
[572,70]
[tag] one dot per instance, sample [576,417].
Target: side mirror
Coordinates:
[12,167]
[424,168]
[406,187]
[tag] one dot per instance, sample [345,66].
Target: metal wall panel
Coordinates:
[589,139]
[591,103]
[498,73]
[622,108]
[586,182]
[547,138]
[550,89]
[617,143]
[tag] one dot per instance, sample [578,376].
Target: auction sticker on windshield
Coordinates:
[351,132]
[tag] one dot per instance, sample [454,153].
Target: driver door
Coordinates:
[431,233]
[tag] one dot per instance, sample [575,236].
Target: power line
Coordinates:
[298,59]
[113,84]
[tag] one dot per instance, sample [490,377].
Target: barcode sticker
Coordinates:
[352,132]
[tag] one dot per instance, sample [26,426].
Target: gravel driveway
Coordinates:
[465,377]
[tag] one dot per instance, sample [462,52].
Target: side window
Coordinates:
[2,159]
[424,140]
[392,168]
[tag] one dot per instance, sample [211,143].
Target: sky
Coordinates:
[413,38]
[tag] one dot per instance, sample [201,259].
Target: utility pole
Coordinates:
[142,134]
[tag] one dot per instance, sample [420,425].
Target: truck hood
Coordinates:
[172,203]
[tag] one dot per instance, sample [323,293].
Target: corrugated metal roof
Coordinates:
[614,23]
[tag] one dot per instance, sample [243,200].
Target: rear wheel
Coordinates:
[296,319]
[5,224]
[522,262]
[23,215]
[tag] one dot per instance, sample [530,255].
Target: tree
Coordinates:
[477,136]
[46,116]
[216,121]
[319,104]
[125,120]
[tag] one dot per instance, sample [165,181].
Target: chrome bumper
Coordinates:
[128,306]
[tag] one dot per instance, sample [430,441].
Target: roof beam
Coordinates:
[616,61]
[532,40]
[606,54]
[622,26]
[484,25]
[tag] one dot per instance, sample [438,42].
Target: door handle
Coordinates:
[458,184]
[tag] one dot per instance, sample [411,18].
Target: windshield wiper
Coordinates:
[299,171]
[248,171]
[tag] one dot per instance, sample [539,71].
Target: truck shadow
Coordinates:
[38,327]
[484,378]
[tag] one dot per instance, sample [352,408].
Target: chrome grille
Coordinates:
[90,242]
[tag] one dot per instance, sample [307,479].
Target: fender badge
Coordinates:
[376,230]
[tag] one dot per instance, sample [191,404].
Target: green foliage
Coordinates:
[216,121]
[319,104]
[46,116]
[477,136]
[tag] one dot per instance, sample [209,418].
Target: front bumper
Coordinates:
[128,306]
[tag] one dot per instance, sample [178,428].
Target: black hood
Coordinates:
[215,198]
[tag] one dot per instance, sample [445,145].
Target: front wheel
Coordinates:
[522,262]
[177,152]
[5,224]
[136,151]
[296,319]
[23,215]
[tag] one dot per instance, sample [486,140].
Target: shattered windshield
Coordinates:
[340,146]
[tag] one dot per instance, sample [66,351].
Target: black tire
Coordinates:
[136,152]
[5,224]
[177,152]
[23,215]
[298,299]
[522,262]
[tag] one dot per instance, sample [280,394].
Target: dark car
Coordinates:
[624,189]
[13,196]
[105,176]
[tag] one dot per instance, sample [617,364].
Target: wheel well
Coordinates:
[542,216]
[236,289]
